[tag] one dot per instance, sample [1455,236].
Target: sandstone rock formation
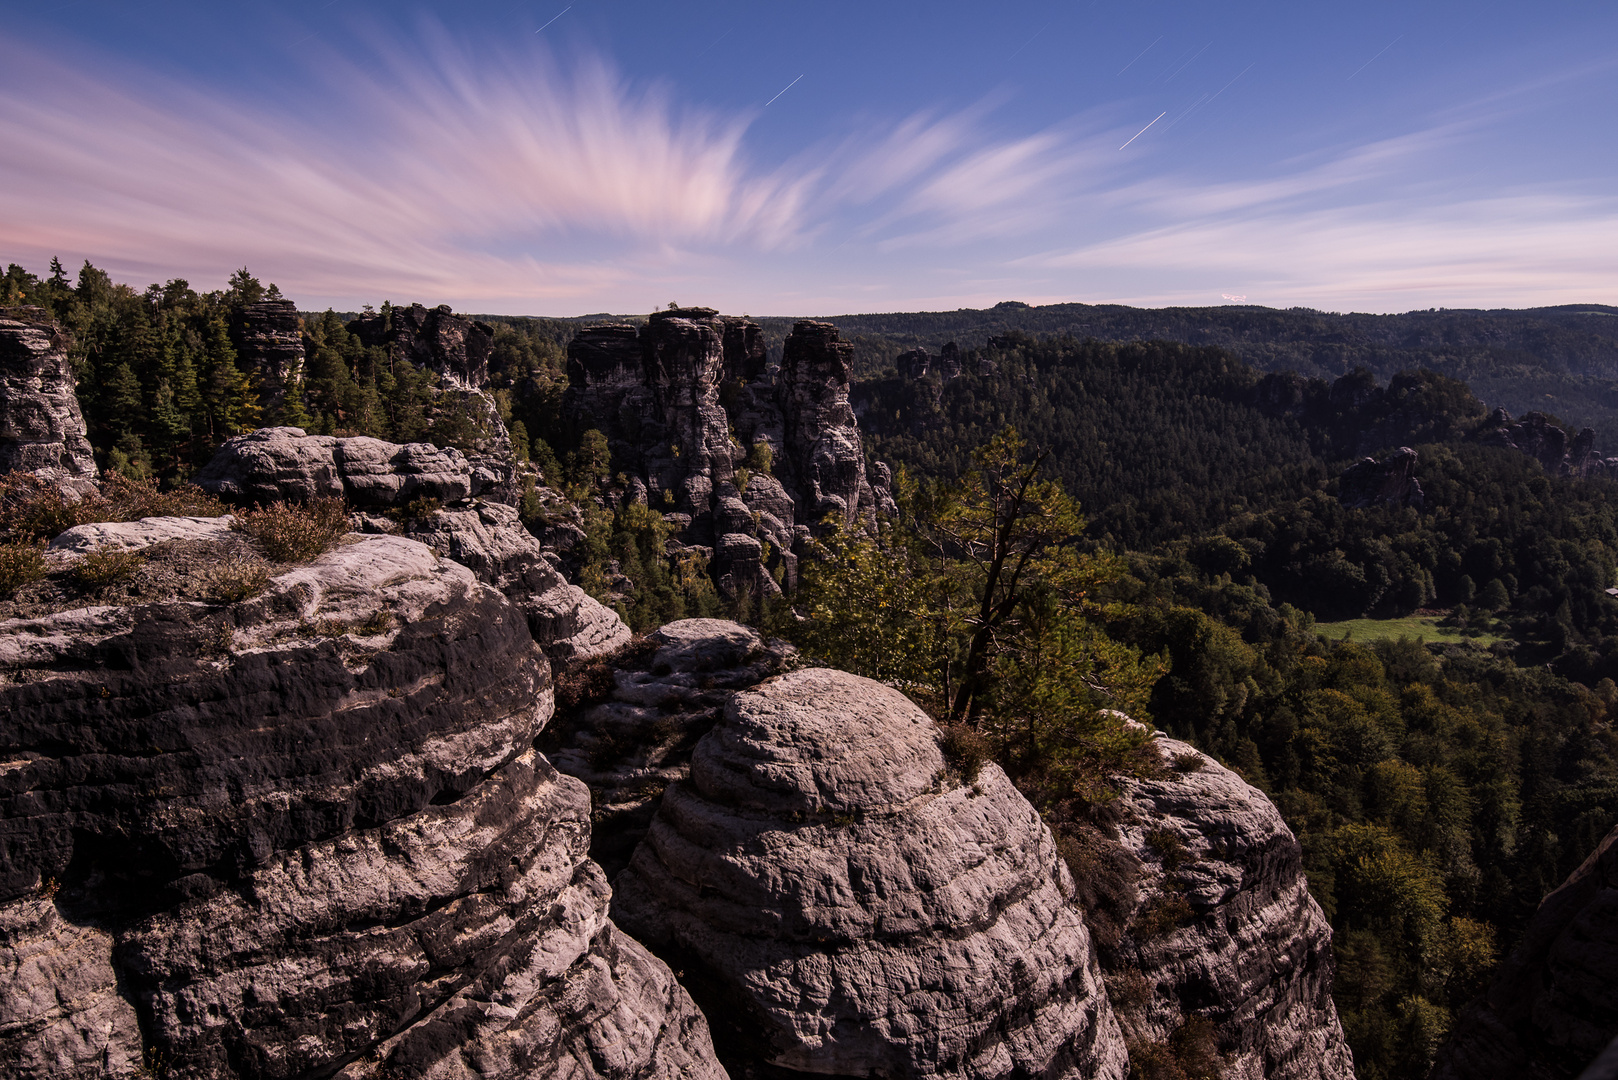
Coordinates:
[457,350]
[306,833]
[1224,927]
[1553,1007]
[269,343]
[1542,438]
[841,903]
[487,536]
[684,400]
[1390,482]
[632,736]
[41,427]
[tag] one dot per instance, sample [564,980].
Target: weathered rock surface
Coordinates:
[1553,1007]
[1252,951]
[1390,482]
[454,346]
[686,398]
[307,834]
[269,343]
[41,427]
[490,540]
[840,904]
[1542,438]
[634,737]
[286,463]
[487,536]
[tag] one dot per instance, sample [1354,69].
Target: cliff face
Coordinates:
[685,400]
[842,903]
[41,427]
[1391,482]
[269,343]
[1553,1007]
[304,833]
[1223,927]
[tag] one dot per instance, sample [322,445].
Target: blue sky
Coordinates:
[797,158]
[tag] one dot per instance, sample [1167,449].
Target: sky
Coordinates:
[793,158]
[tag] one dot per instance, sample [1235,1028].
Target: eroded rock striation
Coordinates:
[1223,925]
[687,399]
[482,533]
[841,903]
[306,834]
[41,427]
[1553,1007]
[631,735]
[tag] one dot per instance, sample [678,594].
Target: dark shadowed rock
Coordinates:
[634,737]
[1251,951]
[455,347]
[1553,1006]
[1390,482]
[269,343]
[307,834]
[41,428]
[842,904]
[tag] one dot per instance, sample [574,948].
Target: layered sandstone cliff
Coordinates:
[687,400]
[303,833]
[840,902]
[41,427]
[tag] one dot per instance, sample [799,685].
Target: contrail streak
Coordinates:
[1142,131]
[1372,60]
[784,89]
[558,15]
[1143,52]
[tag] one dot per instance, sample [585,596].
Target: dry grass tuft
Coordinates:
[290,533]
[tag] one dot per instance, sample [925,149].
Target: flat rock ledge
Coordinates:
[1250,949]
[306,834]
[842,904]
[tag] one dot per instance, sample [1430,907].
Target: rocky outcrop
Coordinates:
[285,463]
[1541,437]
[842,903]
[306,833]
[687,399]
[455,347]
[1223,926]
[457,350]
[269,343]
[1390,482]
[631,735]
[1553,1007]
[41,427]
[373,475]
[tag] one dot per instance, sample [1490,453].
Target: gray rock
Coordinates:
[41,427]
[1553,1006]
[60,1011]
[634,739]
[455,347]
[285,463]
[682,400]
[1391,482]
[308,834]
[1253,954]
[845,906]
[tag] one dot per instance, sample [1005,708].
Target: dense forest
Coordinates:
[1186,465]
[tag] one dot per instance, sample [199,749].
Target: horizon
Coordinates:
[608,155]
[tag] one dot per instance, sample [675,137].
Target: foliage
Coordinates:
[21,563]
[294,533]
[106,567]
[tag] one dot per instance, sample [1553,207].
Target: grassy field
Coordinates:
[1411,626]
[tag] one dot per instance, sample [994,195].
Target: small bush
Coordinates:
[421,509]
[35,509]
[1187,763]
[965,749]
[1170,848]
[295,534]
[234,581]
[20,564]
[32,509]
[130,500]
[99,569]
[1163,915]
